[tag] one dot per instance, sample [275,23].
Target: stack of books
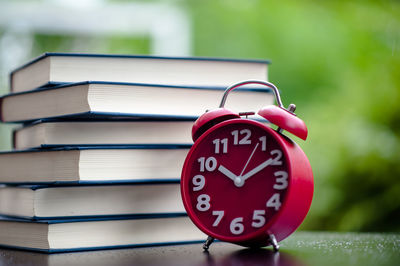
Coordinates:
[97,159]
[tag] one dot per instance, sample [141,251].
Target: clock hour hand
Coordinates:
[226,172]
[236,179]
[256,169]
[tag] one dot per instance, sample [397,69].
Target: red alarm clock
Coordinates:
[244,182]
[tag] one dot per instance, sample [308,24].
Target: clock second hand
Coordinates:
[248,160]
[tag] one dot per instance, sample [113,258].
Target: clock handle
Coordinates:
[247,82]
[278,115]
[213,117]
[285,119]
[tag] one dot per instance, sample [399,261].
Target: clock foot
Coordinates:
[208,243]
[273,242]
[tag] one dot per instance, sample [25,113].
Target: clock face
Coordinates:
[235,180]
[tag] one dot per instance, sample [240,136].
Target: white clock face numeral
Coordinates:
[237,226]
[203,202]
[210,164]
[220,142]
[198,182]
[219,215]
[263,141]
[258,218]
[274,201]
[281,181]
[245,135]
[278,157]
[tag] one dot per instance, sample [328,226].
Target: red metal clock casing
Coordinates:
[243,182]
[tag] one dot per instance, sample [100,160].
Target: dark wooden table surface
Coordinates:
[302,248]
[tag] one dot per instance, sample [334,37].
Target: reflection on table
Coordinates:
[303,248]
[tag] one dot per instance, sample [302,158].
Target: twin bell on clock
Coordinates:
[244,182]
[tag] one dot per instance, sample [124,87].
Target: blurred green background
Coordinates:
[338,61]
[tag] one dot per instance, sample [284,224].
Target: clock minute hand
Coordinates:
[257,169]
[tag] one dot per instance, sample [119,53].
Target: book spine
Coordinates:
[1,109]
[14,139]
[10,81]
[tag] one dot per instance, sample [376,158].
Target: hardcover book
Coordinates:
[56,68]
[47,134]
[100,200]
[126,99]
[93,164]
[77,235]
